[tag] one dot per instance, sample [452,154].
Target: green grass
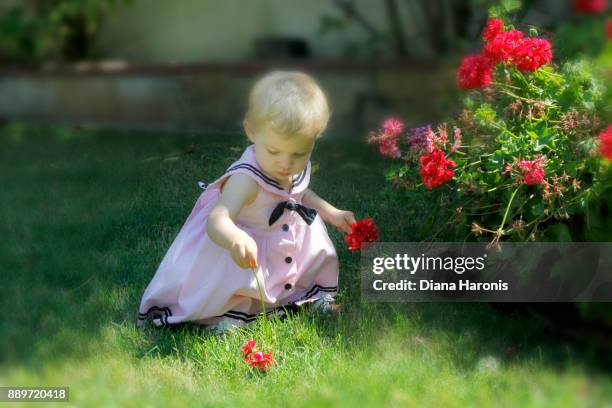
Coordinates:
[87,215]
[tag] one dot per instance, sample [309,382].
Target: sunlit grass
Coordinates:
[85,218]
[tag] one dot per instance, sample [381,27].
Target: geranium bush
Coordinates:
[524,157]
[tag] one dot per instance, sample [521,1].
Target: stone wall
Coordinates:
[214,97]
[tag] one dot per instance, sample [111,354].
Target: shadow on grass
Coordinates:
[85,222]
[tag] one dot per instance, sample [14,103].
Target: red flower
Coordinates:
[609,29]
[503,47]
[533,171]
[362,231]
[248,348]
[532,53]
[436,169]
[605,143]
[474,72]
[261,360]
[393,126]
[256,358]
[494,27]
[590,6]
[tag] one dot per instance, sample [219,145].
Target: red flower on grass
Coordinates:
[474,72]
[590,6]
[605,143]
[258,359]
[436,169]
[533,171]
[248,347]
[532,53]
[362,231]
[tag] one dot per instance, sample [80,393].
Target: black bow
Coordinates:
[307,214]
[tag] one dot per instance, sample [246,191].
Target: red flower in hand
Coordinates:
[436,169]
[248,348]
[362,231]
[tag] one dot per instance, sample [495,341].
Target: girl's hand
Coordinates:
[244,251]
[342,220]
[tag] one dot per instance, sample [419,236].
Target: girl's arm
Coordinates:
[238,191]
[339,218]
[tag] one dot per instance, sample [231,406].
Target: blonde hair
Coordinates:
[290,103]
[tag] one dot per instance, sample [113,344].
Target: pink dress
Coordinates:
[198,281]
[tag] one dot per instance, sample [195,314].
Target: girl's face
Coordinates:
[278,155]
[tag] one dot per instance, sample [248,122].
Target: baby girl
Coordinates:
[257,229]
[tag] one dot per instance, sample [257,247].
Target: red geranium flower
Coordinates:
[533,171]
[503,47]
[532,53]
[261,360]
[248,347]
[590,6]
[436,169]
[362,231]
[494,27]
[609,29]
[605,143]
[474,72]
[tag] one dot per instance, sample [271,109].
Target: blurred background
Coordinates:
[188,64]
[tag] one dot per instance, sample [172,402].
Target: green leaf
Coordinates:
[485,115]
[537,210]
[504,8]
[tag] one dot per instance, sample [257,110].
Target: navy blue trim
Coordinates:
[316,289]
[235,314]
[299,178]
[245,317]
[257,172]
[163,318]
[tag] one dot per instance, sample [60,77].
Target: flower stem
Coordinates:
[550,73]
[261,296]
[500,230]
[516,96]
[503,129]
[503,85]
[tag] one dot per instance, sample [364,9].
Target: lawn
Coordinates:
[86,216]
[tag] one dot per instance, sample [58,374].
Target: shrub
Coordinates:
[523,160]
